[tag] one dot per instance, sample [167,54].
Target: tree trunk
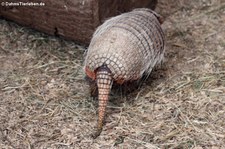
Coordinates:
[72,19]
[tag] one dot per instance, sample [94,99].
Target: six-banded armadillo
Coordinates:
[123,49]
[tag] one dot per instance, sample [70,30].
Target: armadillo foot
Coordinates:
[96,133]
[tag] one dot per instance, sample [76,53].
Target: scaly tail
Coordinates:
[104,83]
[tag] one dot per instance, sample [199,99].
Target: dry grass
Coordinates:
[44,100]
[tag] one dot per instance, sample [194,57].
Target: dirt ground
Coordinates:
[45,103]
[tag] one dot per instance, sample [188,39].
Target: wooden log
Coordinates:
[72,19]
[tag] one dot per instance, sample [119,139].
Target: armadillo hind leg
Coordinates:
[104,83]
[93,91]
[92,87]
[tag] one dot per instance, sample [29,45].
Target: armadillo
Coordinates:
[122,49]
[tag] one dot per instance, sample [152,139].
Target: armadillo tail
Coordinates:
[104,83]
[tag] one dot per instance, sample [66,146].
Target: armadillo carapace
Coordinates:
[123,49]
